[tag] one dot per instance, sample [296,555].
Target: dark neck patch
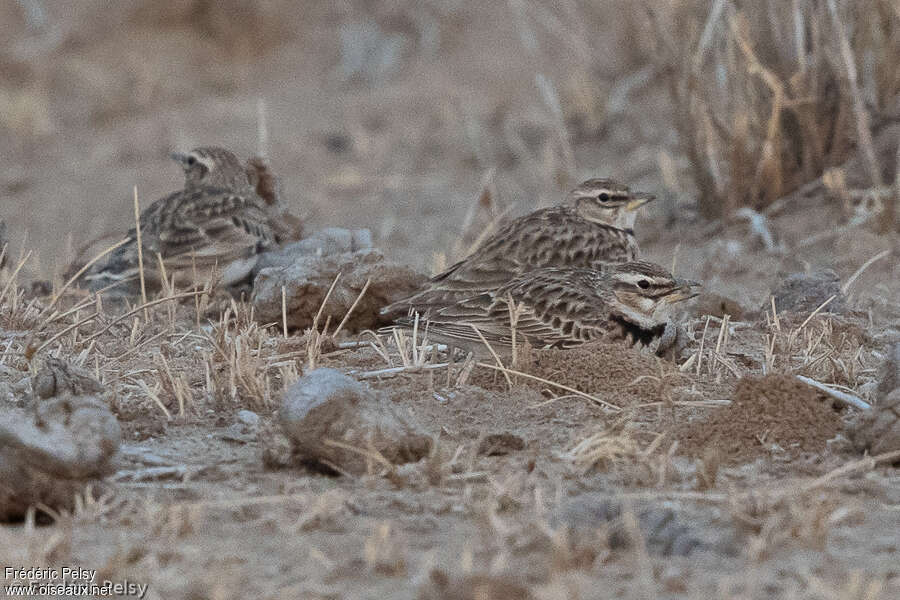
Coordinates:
[636,333]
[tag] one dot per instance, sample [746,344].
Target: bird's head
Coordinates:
[609,202]
[212,166]
[644,292]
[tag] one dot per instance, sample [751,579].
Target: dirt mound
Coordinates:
[607,370]
[766,411]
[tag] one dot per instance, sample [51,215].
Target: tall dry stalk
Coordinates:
[769,94]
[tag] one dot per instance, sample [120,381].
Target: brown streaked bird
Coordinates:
[216,225]
[593,227]
[213,166]
[563,308]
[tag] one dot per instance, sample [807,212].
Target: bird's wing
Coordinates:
[554,236]
[212,226]
[192,229]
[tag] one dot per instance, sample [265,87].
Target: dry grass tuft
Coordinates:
[769,94]
[617,448]
[238,346]
[823,347]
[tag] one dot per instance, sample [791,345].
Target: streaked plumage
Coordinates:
[562,307]
[211,166]
[216,225]
[594,227]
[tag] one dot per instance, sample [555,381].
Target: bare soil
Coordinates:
[403,149]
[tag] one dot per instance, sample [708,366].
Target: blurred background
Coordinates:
[427,120]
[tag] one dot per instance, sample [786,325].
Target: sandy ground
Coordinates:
[401,142]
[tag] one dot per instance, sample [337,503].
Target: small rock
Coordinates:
[805,292]
[878,430]
[248,418]
[336,421]
[243,430]
[325,242]
[275,445]
[500,444]
[59,378]
[307,279]
[889,376]
[47,455]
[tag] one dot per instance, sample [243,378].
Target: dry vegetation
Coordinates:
[396,116]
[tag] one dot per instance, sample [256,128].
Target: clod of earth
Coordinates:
[805,292]
[500,444]
[770,412]
[336,421]
[50,454]
[879,431]
[307,279]
[59,377]
[63,439]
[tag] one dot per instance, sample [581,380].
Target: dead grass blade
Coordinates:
[13,275]
[140,249]
[78,274]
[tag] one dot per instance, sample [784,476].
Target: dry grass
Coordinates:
[769,94]
[618,448]
[822,347]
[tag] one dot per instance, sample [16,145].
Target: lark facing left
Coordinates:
[213,228]
[563,308]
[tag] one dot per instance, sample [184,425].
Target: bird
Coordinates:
[217,225]
[214,166]
[561,307]
[594,226]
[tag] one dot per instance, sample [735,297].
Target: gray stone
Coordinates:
[244,429]
[49,453]
[336,421]
[325,242]
[248,418]
[59,377]
[307,279]
[805,292]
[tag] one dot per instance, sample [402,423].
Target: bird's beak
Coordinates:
[638,200]
[179,157]
[684,291]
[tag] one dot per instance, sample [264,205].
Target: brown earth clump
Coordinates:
[765,412]
[608,370]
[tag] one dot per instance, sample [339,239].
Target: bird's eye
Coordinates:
[191,161]
[643,284]
[603,197]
